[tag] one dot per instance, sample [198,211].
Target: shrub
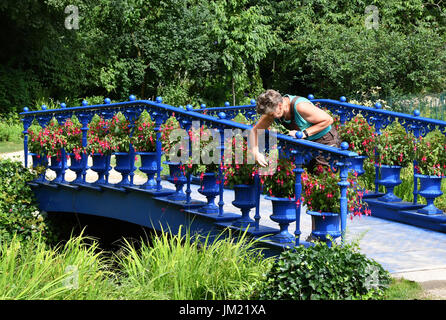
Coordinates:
[320,272]
[19,213]
[10,127]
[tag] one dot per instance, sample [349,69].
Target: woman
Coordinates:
[294,113]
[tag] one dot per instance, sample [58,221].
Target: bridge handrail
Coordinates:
[193,113]
[298,148]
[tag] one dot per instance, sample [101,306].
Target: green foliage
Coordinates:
[359,135]
[327,49]
[98,138]
[215,51]
[322,192]
[394,146]
[430,154]
[19,213]
[119,133]
[10,128]
[73,136]
[32,270]
[47,141]
[187,267]
[281,182]
[144,134]
[322,273]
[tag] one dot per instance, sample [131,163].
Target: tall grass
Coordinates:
[184,267]
[171,267]
[31,270]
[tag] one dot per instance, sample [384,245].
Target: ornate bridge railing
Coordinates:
[379,119]
[295,149]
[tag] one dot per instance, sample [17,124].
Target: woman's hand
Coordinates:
[260,159]
[293,133]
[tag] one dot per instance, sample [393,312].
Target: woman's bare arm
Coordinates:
[315,115]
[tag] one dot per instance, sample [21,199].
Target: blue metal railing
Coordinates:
[160,112]
[376,117]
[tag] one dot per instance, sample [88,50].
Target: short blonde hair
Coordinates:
[267,102]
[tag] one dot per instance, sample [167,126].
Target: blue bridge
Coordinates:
[171,201]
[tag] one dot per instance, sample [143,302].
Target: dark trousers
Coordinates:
[332,139]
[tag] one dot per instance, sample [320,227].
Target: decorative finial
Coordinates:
[253,101]
[416,113]
[378,105]
[202,106]
[299,135]
[25,109]
[310,97]
[63,105]
[107,100]
[227,104]
[343,99]
[43,107]
[189,107]
[222,115]
[132,97]
[344,145]
[159,99]
[84,103]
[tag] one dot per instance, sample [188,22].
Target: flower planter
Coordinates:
[58,165]
[124,165]
[149,167]
[358,164]
[284,212]
[210,190]
[178,178]
[39,161]
[79,166]
[101,165]
[390,178]
[245,200]
[430,188]
[326,226]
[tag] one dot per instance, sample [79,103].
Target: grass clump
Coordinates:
[31,270]
[187,267]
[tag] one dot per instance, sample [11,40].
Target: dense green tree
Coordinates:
[195,51]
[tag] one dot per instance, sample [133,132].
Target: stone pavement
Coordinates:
[405,251]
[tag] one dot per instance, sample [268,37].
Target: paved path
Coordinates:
[405,251]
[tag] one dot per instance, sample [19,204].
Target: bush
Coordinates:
[19,213]
[320,272]
[10,128]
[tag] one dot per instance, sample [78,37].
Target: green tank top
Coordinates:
[301,122]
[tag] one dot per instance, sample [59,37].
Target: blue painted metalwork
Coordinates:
[92,196]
